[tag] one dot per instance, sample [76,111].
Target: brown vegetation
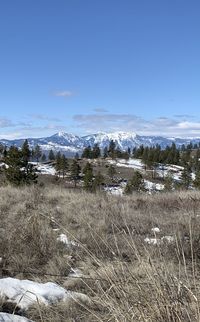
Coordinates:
[126,278]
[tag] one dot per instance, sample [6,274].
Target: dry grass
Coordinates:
[126,278]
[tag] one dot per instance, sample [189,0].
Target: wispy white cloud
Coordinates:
[65,93]
[100,110]
[43,117]
[162,126]
[4,122]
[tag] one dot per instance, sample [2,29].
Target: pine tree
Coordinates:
[168,182]
[96,151]
[105,152]
[186,178]
[88,176]
[37,152]
[58,165]
[1,150]
[87,153]
[98,181]
[135,184]
[111,149]
[75,170]
[111,171]
[43,158]
[51,155]
[26,152]
[19,171]
[197,180]
[64,165]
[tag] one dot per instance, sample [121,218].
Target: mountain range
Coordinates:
[70,144]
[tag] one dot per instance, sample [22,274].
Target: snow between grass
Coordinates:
[24,293]
[6,317]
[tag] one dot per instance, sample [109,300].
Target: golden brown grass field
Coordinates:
[129,271]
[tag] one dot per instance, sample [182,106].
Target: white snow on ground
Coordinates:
[6,317]
[2,164]
[153,241]
[131,163]
[155,230]
[158,241]
[117,191]
[75,272]
[64,239]
[44,168]
[153,186]
[174,170]
[24,293]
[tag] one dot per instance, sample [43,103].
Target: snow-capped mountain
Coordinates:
[122,139]
[70,144]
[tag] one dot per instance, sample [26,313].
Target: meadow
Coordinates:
[135,257]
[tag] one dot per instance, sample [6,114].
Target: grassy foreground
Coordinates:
[126,278]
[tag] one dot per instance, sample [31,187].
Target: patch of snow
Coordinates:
[6,317]
[130,163]
[46,169]
[151,186]
[2,164]
[155,230]
[75,272]
[158,241]
[152,241]
[169,239]
[63,239]
[117,191]
[24,293]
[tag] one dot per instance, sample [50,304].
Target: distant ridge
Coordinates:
[70,144]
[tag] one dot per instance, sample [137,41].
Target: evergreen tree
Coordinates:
[186,178]
[58,165]
[197,180]
[96,151]
[1,150]
[88,176]
[87,153]
[111,171]
[51,155]
[75,170]
[19,171]
[64,165]
[168,182]
[98,181]
[26,152]
[111,149]
[43,157]
[37,152]
[105,152]
[135,184]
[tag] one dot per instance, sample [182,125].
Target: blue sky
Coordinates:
[99,65]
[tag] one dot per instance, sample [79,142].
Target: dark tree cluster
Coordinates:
[111,151]
[17,168]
